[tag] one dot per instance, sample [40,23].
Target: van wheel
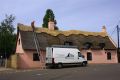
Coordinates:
[84,64]
[60,65]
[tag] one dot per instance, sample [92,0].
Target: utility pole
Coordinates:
[118,38]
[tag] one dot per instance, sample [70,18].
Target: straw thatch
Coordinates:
[53,37]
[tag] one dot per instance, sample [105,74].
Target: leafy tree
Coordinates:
[7,36]
[49,16]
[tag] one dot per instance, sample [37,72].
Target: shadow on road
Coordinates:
[66,66]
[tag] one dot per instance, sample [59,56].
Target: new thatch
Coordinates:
[48,37]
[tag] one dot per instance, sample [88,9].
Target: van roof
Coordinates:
[64,46]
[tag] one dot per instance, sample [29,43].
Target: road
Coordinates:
[91,72]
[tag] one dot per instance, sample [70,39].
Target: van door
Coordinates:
[80,59]
[49,56]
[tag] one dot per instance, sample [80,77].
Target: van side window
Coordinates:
[79,54]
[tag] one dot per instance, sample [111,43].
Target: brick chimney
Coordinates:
[51,25]
[33,25]
[104,29]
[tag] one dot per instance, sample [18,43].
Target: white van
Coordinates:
[59,55]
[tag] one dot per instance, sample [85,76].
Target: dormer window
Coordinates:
[101,45]
[88,45]
[68,43]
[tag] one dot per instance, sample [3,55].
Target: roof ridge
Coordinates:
[22,27]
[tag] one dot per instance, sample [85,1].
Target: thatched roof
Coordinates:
[53,37]
[56,32]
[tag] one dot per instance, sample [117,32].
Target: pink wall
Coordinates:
[19,48]
[25,58]
[100,56]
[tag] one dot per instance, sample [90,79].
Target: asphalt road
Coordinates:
[91,72]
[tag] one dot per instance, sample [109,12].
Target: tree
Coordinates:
[7,36]
[48,16]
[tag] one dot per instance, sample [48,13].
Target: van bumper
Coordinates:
[86,62]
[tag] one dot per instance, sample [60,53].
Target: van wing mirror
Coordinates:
[82,56]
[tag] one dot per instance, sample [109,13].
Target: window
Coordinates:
[88,45]
[68,43]
[19,41]
[89,56]
[101,45]
[108,56]
[79,54]
[36,57]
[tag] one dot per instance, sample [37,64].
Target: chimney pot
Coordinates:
[32,24]
[51,25]
[104,29]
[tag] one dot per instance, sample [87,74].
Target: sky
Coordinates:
[85,15]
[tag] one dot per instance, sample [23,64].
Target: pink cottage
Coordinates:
[97,47]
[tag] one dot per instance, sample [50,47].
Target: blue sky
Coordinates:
[86,15]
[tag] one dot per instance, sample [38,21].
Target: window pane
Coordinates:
[109,56]
[89,56]
[79,54]
[19,41]
[36,57]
